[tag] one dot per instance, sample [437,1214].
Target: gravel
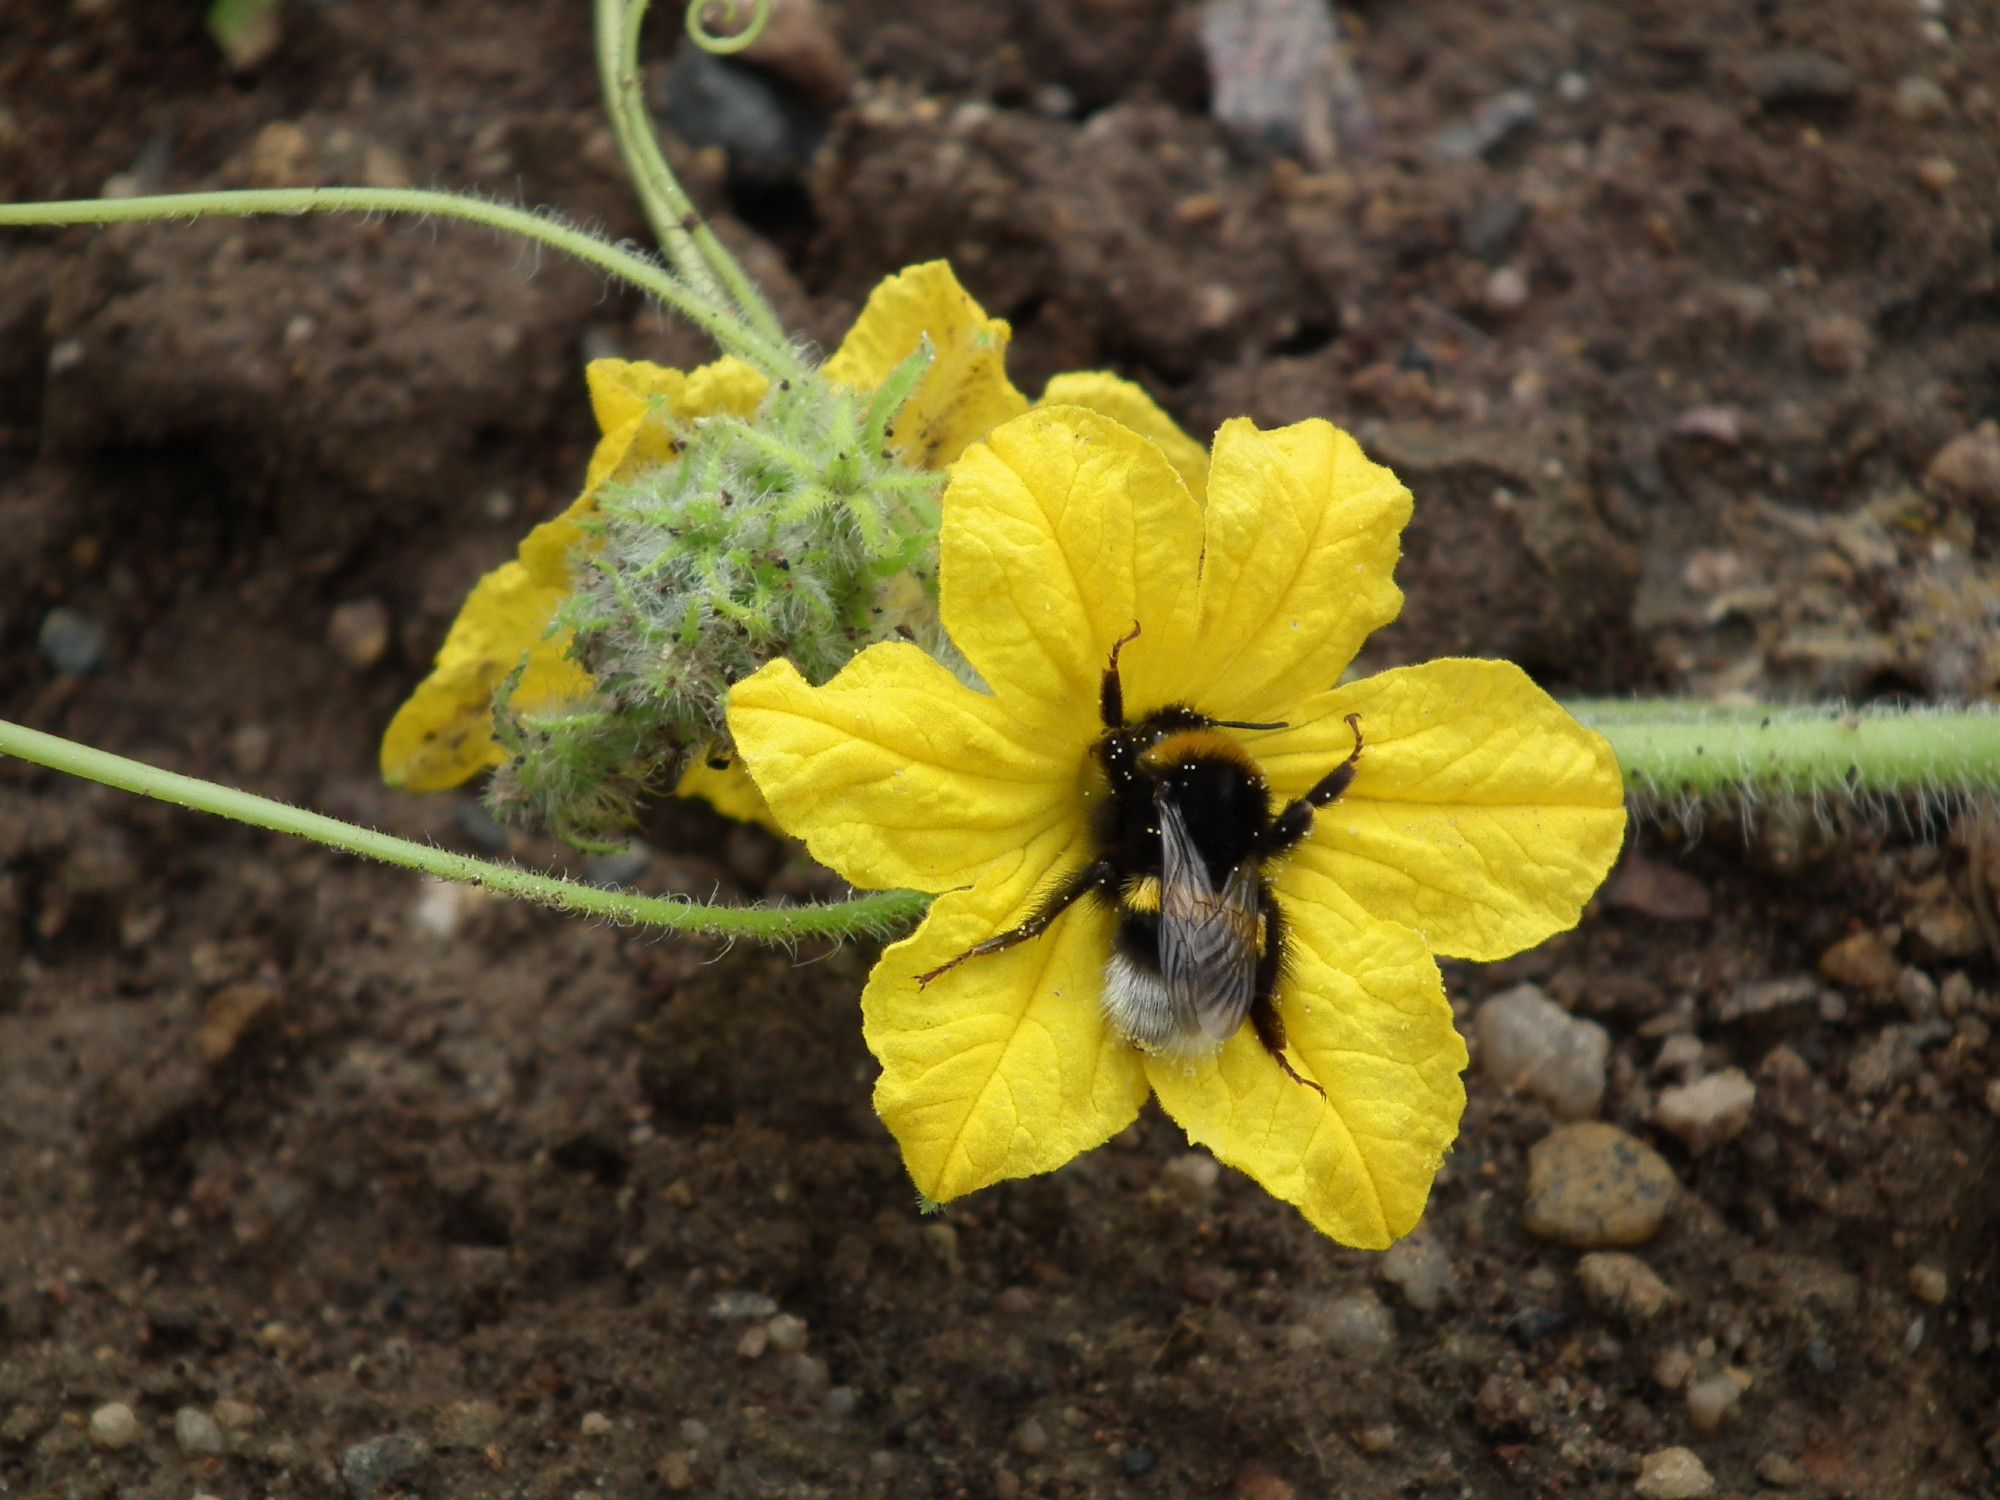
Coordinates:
[1529,1042]
[1623,1285]
[1708,1112]
[1593,1187]
[114,1428]
[1673,1474]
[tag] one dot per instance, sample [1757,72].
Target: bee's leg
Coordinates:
[1264,1017]
[1111,696]
[1090,878]
[1295,820]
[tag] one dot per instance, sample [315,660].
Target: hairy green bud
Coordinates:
[793,534]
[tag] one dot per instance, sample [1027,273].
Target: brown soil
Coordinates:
[504,1185]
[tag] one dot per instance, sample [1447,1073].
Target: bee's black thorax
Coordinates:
[1179,754]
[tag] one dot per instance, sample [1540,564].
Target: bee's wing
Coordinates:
[1208,937]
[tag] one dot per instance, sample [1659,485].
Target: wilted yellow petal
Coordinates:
[1366,1018]
[638,404]
[443,734]
[1126,402]
[1303,536]
[1483,815]
[1061,531]
[898,776]
[1003,1067]
[964,394]
[728,789]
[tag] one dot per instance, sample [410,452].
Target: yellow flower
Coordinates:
[443,735]
[1479,819]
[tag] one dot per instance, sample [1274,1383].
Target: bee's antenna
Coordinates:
[1241,724]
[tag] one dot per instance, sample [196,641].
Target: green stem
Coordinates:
[659,192]
[689,243]
[1675,751]
[774,357]
[864,915]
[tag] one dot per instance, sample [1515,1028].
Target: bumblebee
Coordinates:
[1182,840]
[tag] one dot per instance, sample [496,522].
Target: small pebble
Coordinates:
[1944,928]
[1967,469]
[1721,425]
[1417,1266]
[235,1417]
[383,1463]
[675,1470]
[1191,1177]
[1652,887]
[1359,1327]
[113,1427]
[72,642]
[197,1433]
[1680,1055]
[1801,80]
[1929,1284]
[1624,1285]
[1673,1474]
[1937,175]
[1593,1187]
[1713,1401]
[1279,80]
[1377,1439]
[800,47]
[1673,1369]
[1920,101]
[1262,1484]
[1138,1461]
[1529,1042]
[594,1424]
[1499,120]
[787,1333]
[1862,961]
[358,632]
[1506,290]
[1031,1437]
[1894,1057]
[753,1343]
[741,1307]
[1709,1112]
[1839,344]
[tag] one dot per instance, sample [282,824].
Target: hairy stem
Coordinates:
[774,357]
[1674,751]
[863,916]
[689,243]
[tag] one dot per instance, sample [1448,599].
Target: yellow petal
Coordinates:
[1482,814]
[1003,1067]
[443,734]
[1127,402]
[899,776]
[638,404]
[1061,531]
[964,395]
[1366,1018]
[728,789]
[1303,535]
